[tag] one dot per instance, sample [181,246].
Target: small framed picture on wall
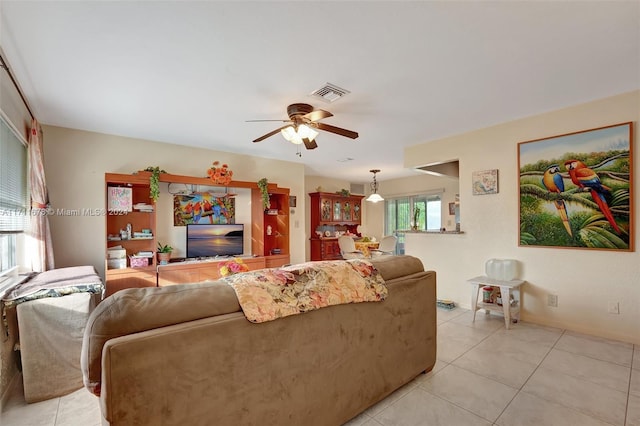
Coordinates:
[485,182]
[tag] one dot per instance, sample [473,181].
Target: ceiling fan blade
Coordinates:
[336,130]
[263,137]
[309,144]
[257,121]
[317,114]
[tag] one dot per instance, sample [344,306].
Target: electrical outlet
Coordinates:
[614,308]
[552,300]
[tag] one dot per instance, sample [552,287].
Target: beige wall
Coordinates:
[75,164]
[584,280]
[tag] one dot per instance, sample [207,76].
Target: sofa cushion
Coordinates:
[138,309]
[392,267]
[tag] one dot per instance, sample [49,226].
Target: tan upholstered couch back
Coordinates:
[187,355]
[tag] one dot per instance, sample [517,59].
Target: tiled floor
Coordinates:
[528,375]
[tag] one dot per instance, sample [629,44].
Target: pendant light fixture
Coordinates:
[374,197]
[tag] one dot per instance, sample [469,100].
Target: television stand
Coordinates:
[198,270]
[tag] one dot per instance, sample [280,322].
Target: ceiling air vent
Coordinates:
[329,93]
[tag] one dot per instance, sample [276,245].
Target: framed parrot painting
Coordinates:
[576,190]
[203,208]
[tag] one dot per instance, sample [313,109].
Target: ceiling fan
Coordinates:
[304,119]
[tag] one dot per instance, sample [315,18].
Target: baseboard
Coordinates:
[579,328]
[576,328]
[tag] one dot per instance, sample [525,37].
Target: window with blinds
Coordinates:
[13,194]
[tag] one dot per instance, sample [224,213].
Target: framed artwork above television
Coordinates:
[203,208]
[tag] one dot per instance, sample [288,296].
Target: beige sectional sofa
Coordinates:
[186,354]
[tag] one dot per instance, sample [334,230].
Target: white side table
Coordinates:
[507,289]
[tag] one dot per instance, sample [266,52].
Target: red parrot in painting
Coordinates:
[207,208]
[554,183]
[584,177]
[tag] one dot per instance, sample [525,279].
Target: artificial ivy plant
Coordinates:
[154,182]
[263,184]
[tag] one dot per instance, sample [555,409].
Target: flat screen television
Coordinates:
[214,240]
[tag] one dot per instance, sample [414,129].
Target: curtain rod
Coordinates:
[4,66]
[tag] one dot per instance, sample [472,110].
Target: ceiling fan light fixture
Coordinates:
[289,133]
[296,136]
[307,132]
[305,125]
[374,197]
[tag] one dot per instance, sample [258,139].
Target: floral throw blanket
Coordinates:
[268,294]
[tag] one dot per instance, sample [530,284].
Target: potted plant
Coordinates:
[164,253]
[263,184]
[416,218]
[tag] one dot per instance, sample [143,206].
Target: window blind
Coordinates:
[13,181]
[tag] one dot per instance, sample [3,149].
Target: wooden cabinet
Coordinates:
[335,209]
[198,271]
[325,249]
[118,220]
[277,260]
[119,279]
[270,227]
[331,213]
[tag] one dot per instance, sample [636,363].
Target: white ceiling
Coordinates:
[191,73]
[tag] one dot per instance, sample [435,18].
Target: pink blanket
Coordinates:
[269,294]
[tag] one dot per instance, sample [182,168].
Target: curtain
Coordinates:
[41,252]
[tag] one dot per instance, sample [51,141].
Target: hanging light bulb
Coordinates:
[374,197]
